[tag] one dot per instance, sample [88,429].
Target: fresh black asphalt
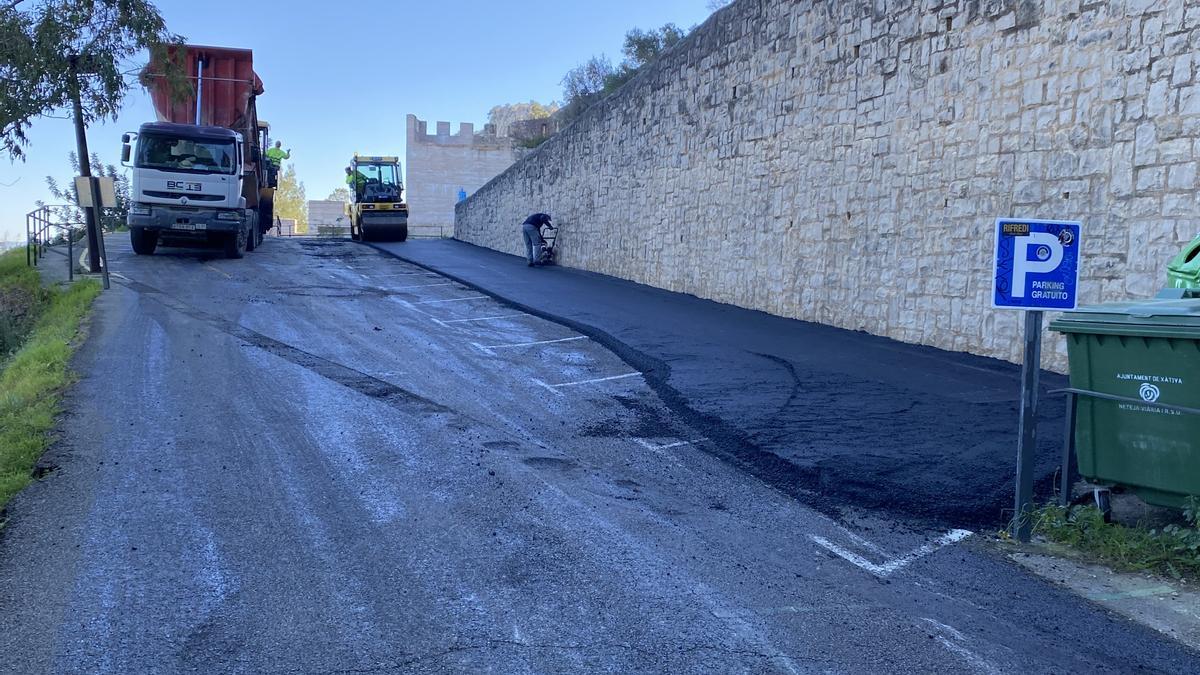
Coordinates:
[321,459]
[836,417]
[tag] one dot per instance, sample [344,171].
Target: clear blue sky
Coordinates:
[340,77]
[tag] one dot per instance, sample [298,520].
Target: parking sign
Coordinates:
[1036,264]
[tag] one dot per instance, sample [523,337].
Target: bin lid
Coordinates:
[1157,316]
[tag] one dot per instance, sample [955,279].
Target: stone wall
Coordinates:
[844,161]
[327,218]
[442,164]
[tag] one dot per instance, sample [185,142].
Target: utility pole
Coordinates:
[90,214]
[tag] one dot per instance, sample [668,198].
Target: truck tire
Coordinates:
[252,235]
[144,241]
[235,244]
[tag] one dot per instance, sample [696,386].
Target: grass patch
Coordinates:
[22,299]
[33,369]
[1173,550]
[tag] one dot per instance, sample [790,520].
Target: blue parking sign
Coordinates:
[1036,264]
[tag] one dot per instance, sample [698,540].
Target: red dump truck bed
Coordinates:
[228,87]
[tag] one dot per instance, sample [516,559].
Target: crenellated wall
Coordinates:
[844,161]
[441,164]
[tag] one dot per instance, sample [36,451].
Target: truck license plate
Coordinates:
[189,226]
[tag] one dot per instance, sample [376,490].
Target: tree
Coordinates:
[341,194]
[502,116]
[68,214]
[290,200]
[594,79]
[38,37]
[586,80]
[644,46]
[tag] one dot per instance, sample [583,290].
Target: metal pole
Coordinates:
[70,253]
[1027,430]
[95,182]
[199,87]
[85,168]
[1064,478]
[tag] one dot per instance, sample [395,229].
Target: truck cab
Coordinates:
[187,185]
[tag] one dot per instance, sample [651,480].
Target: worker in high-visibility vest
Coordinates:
[277,154]
[355,180]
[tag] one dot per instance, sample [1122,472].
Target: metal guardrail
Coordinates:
[41,225]
[1068,446]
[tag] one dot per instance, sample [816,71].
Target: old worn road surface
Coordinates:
[322,459]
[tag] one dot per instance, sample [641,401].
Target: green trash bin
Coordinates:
[1148,351]
[1184,269]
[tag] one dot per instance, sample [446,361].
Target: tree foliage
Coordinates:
[67,213]
[597,77]
[644,46]
[341,194]
[37,40]
[502,116]
[290,200]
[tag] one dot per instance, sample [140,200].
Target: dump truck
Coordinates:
[376,211]
[200,177]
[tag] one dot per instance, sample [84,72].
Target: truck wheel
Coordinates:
[144,241]
[235,244]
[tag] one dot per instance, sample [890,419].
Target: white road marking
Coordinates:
[481,318]
[594,380]
[405,274]
[667,446]
[949,629]
[888,567]
[530,344]
[975,661]
[404,288]
[469,297]
[870,546]
[543,384]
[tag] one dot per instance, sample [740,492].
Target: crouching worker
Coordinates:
[531,229]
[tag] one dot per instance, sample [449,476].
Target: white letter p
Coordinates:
[1047,261]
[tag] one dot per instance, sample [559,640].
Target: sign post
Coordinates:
[1035,268]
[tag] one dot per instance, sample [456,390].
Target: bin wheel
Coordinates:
[1102,497]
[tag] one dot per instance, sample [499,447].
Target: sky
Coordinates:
[340,78]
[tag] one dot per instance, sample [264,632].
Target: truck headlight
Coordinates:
[228,215]
[139,210]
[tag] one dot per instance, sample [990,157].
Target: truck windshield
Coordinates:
[191,155]
[378,182]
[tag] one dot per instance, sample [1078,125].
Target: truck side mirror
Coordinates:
[125,151]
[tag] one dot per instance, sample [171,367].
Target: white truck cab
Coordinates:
[187,185]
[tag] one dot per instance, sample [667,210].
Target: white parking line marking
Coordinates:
[530,344]
[975,661]
[407,274]
[547,386]
[404,288]
[650,446]
[481,318]
[888,567]
[594,380]
[469,297]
